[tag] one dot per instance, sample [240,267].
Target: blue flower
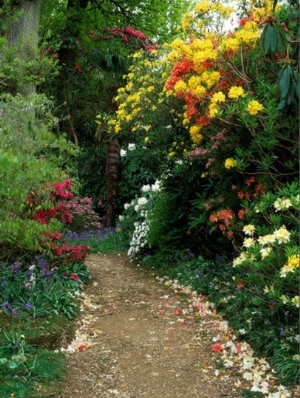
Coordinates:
[28,305]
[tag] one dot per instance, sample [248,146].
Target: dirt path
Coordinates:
[139,338]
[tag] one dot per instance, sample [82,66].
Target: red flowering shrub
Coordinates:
[128,35]
[59,195]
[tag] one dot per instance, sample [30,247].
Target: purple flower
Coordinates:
[15,267]
[28,305]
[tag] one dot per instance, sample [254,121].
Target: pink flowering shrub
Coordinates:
[84,218]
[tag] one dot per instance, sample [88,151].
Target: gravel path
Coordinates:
[138,337]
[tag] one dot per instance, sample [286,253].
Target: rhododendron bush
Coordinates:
[229,99]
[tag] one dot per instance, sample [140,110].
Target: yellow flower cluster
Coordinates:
[254,107]
[286,300]
[291,266]
[195,135]
[144,78]
[229,163]
[236,92]
[282,204]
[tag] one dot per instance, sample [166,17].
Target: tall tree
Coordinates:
[22,34]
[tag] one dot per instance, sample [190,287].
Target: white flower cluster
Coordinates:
[141,227]
[123,152]
[279,236]
[139,238]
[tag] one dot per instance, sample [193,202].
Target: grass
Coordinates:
[28,365]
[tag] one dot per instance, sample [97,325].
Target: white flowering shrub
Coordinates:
[270,249]
[134,220]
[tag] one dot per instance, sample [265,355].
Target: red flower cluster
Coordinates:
[71,254]
[127,35]
[63,189]
[61,212]
[77,69]
[225,216]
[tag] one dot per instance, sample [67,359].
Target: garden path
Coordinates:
[138,337]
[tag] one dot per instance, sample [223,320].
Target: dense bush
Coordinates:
[229,178]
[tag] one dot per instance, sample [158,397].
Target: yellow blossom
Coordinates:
[196,137]
[186,21]
[265,251]
[218,97]
[229,163]
[236,92]
[254,107]
[295,301]
[291,266]
[202,7]
[240,259]
[282,204]
[248,242]
[268,289]
[282,235]
[284,299]
[180,86]
[249,229]
[266,239]
[213,110]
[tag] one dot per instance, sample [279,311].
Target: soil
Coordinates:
[137,337]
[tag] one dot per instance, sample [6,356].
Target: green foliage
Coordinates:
[39,290]
[23,367]
[29,156]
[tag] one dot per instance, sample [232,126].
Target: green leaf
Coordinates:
[285,81]
[3,361]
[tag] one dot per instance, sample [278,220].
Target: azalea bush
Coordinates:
[30,155]
[229,175]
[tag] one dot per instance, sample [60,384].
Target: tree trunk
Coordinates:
[113,157]
[23,35]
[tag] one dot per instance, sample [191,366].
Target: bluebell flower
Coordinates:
[15,267]
[28,305]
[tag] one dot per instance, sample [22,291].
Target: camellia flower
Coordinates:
[249,229]
[123,153]
[254,107]
[229,163]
